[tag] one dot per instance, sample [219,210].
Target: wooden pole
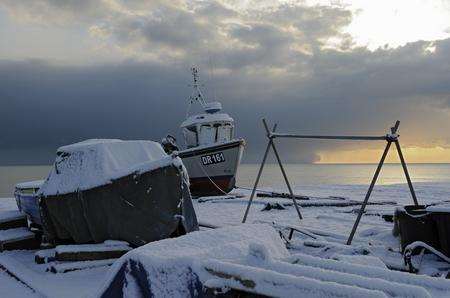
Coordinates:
[405,170]
[389,139]
[297,208]
[369,191]
[259,173]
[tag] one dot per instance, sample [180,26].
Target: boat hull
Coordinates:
[27,201]
[212,169]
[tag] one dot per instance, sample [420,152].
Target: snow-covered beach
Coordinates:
[373,246]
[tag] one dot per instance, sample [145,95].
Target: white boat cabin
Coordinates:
[209,127]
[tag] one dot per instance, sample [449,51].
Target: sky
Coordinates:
[72,70]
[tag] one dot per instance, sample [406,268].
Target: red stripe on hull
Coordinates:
[204,187]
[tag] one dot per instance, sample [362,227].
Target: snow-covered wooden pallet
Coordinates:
[10,219]
[110,249]
[308,276]
[18,238]
[56,267]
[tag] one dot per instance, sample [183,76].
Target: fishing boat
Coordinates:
[212,155]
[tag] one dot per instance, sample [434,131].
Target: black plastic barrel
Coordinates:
[441,217]
[416,224]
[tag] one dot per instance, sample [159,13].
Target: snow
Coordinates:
[324,258]
[276,284]
[206,118]
[46,284]
[312,281]
[419,244]
[7,215]
[10,287]
[80,265]
[361,260]
[439,208]
[30,184]
[45,253]
[8,205]
[97,162]
[430,283]
[168,263]
[14,234]
[108,245]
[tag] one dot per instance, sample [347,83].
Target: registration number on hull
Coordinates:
[214,158]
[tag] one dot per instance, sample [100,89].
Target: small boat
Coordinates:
[111,189]
[27,200]
[212,154]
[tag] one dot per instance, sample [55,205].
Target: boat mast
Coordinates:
[196,95]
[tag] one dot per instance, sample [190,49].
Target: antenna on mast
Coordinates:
[196,93]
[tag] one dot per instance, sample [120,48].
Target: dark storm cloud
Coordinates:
[268,62]
[46,106]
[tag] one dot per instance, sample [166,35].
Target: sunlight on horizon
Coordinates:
[361,156]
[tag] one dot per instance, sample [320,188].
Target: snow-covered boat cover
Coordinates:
[113,189]
[168,268]
[96,162]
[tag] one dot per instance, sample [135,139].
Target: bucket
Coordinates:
[415,223]
[441,216]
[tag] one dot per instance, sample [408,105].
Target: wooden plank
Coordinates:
[90,255]
[210,290]
[82,265]
[13,223]
[24,243]
[268,282]
[44,256]
[18,238]
[90,252]
[12,219]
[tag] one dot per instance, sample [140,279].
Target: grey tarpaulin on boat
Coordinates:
[123,210]
[147,204]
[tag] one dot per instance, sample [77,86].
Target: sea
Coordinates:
[299,174]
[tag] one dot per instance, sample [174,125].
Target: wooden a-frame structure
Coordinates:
[390,138]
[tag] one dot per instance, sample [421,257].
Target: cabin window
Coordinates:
[190,136]
[224,133]
[207,134]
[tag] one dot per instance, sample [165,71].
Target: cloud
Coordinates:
[290,63]
[56,11]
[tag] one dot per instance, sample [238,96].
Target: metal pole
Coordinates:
[405,170]
[324,137]
[259,174]
[369,191]
[283,172]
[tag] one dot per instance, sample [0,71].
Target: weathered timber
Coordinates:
[44,256]
[19,238]
[280,195]
[218,292]
[75,266]
[72,256]
[12,219]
